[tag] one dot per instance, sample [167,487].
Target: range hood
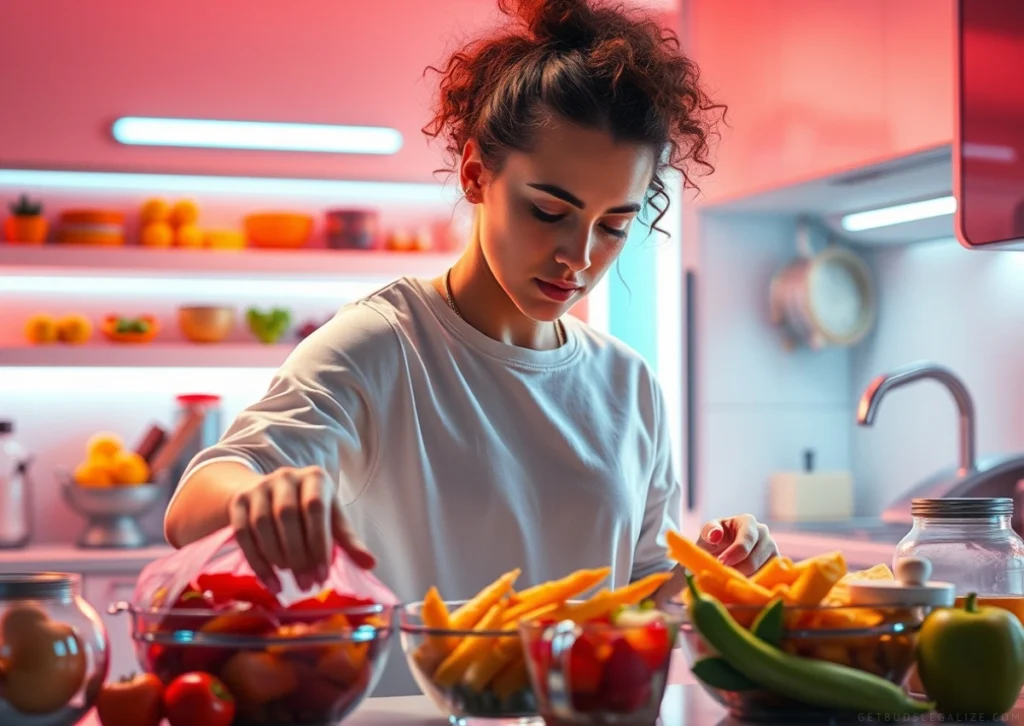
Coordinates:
[925,176]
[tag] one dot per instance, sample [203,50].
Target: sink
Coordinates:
[872,529]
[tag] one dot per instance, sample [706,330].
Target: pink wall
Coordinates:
[74,67]
[814,86]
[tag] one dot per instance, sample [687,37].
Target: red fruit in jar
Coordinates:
[198,699]
[652,642]
[626,683]
[586,665]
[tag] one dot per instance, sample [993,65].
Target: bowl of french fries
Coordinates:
[468,656]
[819,621]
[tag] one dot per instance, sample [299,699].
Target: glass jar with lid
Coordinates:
[53,648]
[970,543]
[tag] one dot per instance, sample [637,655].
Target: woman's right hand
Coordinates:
[290,520]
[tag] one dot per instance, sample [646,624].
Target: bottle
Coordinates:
[15,510]
[970,542]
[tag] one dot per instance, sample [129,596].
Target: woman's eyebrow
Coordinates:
[567,196]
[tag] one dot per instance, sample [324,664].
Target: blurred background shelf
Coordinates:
[156,355]
[54,259]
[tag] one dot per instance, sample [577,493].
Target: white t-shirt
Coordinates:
[459,457]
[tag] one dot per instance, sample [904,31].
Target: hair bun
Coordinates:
[568,23]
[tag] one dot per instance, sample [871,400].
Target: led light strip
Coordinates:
[262,135]
[899,214]
[191,287]
[338,190]
[139,380]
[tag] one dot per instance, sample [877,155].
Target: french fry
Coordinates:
[778,571]
[607,601]
[696,560]
[483,670]
[513,679]
[817,577]
[555,591]
[470,613]
[453,668]
[746,593]
[435,615]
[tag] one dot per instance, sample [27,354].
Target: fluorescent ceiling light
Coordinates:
[899,214]
[194,288]
[133,380]
[337,190]
[267,135]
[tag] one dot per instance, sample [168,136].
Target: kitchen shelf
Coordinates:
[162,355]
[132,260]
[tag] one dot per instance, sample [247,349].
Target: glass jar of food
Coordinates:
[970,543]
[54,651]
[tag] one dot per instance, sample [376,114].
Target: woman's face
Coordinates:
[555,219]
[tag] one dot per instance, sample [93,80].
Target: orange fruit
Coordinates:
[184,212]
[103,446]
[225,239]
[157,234]
[74,328]
[129,468]
[155,210]
[41,328]
[88,474]
[189,235]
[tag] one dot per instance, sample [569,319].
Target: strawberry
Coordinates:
[626,685]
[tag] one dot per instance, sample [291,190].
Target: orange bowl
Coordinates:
[206,324]
[278,230]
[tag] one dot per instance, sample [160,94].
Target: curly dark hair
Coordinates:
[596,65]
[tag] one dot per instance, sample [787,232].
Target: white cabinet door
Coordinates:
[101,591]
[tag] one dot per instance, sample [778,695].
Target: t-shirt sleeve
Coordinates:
[663,509]
[319,409]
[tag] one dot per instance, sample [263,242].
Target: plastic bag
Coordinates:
[163,581]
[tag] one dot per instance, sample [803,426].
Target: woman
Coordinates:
[464,426]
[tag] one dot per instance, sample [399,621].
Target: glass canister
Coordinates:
[970,543]
[54,650]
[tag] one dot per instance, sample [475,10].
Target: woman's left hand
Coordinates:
[741,542]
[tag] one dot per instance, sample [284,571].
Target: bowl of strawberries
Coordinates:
[610,668]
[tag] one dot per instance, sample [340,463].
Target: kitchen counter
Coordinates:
[684,705]
[69,558]
[863,541]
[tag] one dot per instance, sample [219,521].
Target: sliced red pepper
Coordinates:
[651,642]
[227,589]
[626,683]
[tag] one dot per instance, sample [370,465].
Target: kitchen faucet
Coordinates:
[867,410]
[992,476]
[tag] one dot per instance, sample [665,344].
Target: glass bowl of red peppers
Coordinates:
[309,664]
[611,670]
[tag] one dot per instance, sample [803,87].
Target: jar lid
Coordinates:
[962,507]
[911,587]
[38,586]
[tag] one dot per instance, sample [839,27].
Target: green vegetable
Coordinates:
[25,208]
[131,325]
[813,682]
[270,326]
[717,673]
[971,660]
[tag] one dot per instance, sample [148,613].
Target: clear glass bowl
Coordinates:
[305,668]
[597,673]
[472,692]
[54,651]
[877,639]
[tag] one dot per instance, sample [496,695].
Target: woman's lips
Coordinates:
[557,292]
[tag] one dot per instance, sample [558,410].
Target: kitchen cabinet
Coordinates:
[814,87]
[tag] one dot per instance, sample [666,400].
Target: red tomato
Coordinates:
[226,589]
[198,699]
[133,701]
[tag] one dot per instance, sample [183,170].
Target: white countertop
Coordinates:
[69,558]
[859,554]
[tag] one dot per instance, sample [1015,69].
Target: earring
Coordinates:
[470,194]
